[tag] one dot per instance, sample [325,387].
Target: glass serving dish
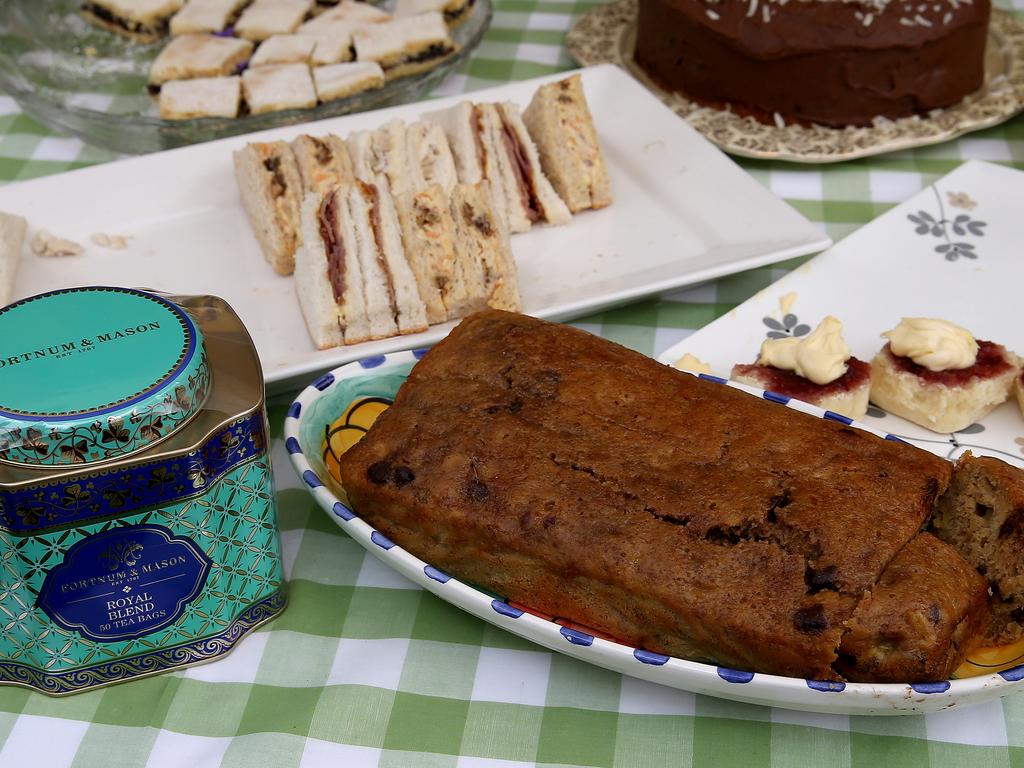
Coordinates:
[79,79]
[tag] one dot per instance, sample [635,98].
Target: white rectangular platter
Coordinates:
[952,251]
[683,213]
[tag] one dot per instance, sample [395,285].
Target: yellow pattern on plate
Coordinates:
[348,429]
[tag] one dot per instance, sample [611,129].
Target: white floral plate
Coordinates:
[952,251]
[333,404]
[608,33]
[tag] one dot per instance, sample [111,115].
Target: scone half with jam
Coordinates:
[817,369]
[937,375]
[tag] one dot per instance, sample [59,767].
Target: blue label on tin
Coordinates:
[124,583]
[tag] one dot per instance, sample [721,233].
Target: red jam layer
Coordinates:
[991,362]
[858,374]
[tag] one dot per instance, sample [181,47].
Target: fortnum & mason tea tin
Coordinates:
[138,530]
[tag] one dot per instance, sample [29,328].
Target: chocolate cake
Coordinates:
[829,62]
[589,482]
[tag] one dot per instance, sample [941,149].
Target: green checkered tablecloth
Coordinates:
[363,669]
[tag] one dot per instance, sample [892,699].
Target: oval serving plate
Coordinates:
[340,406]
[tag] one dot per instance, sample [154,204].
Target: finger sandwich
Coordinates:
[560,123]
[392,298]
[428,234]
[271,188]
[284,49]
[278,86]
[490,141]
[429,157]
[323,162]
[404,46]
[482,247]
[383,152]
[200,97]
[346,12]
[190,56]
[329,280]
[339,81]
[454,11]
[142,20]
[199,16]
[272,17]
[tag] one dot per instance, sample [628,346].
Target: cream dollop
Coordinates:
[938,345]
[692,364]
[820,356]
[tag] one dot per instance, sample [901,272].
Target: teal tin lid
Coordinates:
[96,373]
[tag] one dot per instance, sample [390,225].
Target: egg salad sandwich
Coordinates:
[271,187]
[560,122]
[429,238]
[323,162]
[483,250]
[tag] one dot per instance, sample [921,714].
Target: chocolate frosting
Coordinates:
[816,61]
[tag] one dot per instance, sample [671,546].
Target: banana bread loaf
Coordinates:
[590,482]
